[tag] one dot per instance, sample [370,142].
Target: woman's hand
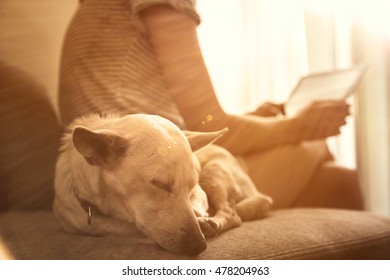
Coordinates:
[321,120]
[269,109]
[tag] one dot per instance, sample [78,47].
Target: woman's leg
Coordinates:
[332,186]
[285,173]
[304,176]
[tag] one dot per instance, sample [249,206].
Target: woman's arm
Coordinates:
[174,38]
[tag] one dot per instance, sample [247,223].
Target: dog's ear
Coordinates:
[198,140]
[99,147]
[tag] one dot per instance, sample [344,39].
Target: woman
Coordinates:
[138,56]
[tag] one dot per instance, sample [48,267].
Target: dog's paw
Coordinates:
[268,199]
[265,204]
[208,226]
[254,208]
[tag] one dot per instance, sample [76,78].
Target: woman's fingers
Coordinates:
[322,119]
[269,109]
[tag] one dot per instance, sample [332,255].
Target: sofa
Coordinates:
[31,37]
[29,142]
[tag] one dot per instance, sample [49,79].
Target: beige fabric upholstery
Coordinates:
[28,142]
[289,234]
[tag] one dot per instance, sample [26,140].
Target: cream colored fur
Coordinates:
[144,174]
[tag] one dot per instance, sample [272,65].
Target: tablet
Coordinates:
[334,85]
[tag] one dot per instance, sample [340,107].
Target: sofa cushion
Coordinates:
[286,234]
[28,142]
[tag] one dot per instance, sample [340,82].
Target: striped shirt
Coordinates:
[108,64]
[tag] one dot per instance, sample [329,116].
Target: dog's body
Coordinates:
[118,175]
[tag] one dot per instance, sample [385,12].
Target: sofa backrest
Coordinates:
[28,142]
[31,35]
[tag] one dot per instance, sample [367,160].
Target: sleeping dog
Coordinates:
[119,175]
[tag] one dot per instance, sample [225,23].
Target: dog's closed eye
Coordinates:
[165,185]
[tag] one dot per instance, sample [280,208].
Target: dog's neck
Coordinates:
[88,207]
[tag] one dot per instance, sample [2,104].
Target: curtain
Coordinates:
[256,50]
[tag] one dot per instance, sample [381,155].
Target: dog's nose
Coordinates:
[192,247]
[193,244]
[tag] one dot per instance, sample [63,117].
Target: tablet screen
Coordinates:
[333,85]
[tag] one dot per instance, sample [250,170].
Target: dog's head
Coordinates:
[148,171]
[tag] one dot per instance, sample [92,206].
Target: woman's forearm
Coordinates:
[252,134]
